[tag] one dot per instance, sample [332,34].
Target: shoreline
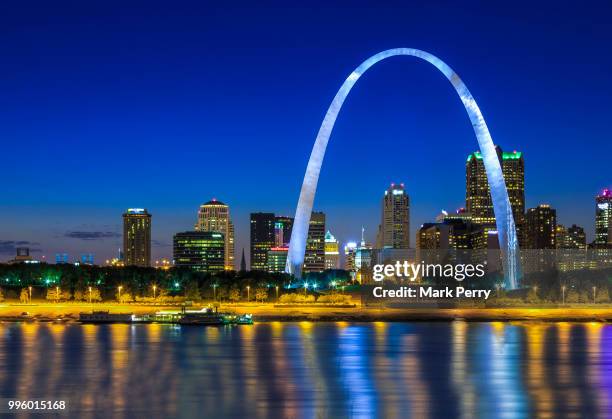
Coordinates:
[265,313]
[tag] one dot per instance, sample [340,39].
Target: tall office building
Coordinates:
[282,230]
[332,252]
[350,252]
[262,239]
[541,227]
[394,228]
[570,237]
[137,237]
[214,216]
[202,251]
[314,259]
[277,259]
[478,193]
[603,218]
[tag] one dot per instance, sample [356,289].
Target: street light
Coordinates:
[563,294]
[154,289]
[248,293]
[594,291]
[119,292]
[276,292]
[57,293]
[89,295]
[215,292]
[30,293]
[305,287]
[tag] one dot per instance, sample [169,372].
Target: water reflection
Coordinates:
[310,370]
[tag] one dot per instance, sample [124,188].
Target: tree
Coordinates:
[79,295]
[125,297]
[94,295]
[66,295]
[192,292]
[24,297]
[602,296]
[1,295]
[234,294]
[53,294]
[261,293]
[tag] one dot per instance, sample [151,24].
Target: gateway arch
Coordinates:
[506,229]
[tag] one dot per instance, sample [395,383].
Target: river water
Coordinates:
[311,370]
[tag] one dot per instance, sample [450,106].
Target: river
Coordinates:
[311,370]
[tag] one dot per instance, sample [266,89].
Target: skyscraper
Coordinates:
[282,230]
[541,227]
[262,239]
[350,250]
[202,251]
[332,252]
[137,237]
[314,259]
[478,193]
[277,259]
[214,216]
[394,229]
[570,238]
[603,218]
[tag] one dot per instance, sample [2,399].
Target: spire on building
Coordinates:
[243,262]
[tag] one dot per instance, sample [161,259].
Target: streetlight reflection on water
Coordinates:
[314,369]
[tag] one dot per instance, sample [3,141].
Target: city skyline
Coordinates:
[65,196]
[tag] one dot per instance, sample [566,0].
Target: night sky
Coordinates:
[167,105]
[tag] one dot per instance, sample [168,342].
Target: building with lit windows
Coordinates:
[350,250]
[202,251]
[214,216]
[394,228]
[137,237]
[277,259]
[603,219]
[541,227]
[282,230]
[262,239]
[478,193]
[332,252]
[570,237]
[314,258]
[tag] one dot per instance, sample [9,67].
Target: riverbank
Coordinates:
[271,313]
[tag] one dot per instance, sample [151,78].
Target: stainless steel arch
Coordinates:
[501,204]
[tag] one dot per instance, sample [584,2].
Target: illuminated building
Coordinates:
[478,193]
[570,237]
[363,259]
[332,252]
[603,218]
[314,259]
[350,250]
[137,237]
[277,259]
[214,216]
[202,251]
[282,230]
[394,228]
[508,241]
[22,256]
[541,227]
[262,239]
[571,248]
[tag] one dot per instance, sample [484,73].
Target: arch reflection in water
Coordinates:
[315,369]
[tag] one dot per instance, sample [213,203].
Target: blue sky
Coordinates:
[165,105]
